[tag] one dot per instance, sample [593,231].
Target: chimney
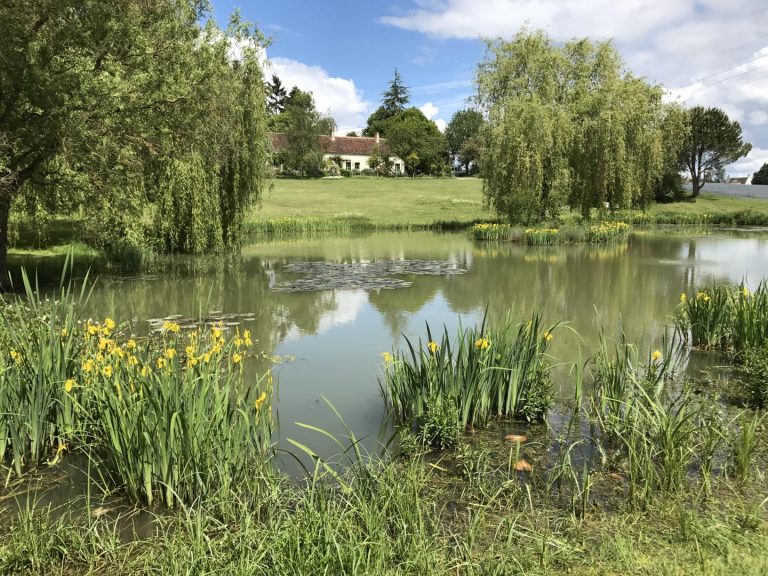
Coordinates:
[377,137]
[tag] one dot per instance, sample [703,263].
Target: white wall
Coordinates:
[363,161]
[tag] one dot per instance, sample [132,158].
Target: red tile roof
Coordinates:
[339,145]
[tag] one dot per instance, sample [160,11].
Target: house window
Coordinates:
[397,168]
[349,165]
[357,165]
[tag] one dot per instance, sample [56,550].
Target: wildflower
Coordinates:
[216,332]
[88,365]
[482,343]
[145,371]
[109,324]
[683,298]
[703,296]
[191,361]
[107,371]
[160,363]
[547,336]
[207,357]
[387,357]
[170,353]
[64,332]
[746,292]
[92,330]
[68,385]
[236,358]
[238,341]
[171,327]
[132,360]
[247,338]
[433,347]
[16,356]
[103,343]
[131,344]
[656,355]
[260,400]
[190,351]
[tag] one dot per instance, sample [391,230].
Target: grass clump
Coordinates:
[756,369]
[729,318]
[489,231]
[480,374]
[170,415]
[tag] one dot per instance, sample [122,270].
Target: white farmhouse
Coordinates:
[353,150]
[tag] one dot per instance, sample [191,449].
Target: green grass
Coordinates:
[713,204]
[385,202]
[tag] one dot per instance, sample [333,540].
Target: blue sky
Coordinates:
[709,52]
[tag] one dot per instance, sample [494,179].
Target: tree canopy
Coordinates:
[418,141]
[136,114]
[393,102]
[761,176]
[566,125]
[712,142]
[462,136]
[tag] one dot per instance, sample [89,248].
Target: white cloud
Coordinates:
[750,164]
[758,118]
[429,110]
[337,96]
[441,124]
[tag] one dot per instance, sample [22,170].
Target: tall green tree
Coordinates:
[418,141]
[393,102]
[761,176]
[713,141]
[461,133]
[277,98]
[107,107]
[303,126]
[566,124]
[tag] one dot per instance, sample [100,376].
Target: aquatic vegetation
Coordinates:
[288,226]
[171,415]
[725,317]
[608,232]
[756,382]
[485,371]
[491,231]
[542,236]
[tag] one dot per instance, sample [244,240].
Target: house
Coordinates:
[746,180]
[353,150]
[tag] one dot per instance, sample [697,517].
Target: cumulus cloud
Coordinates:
[338,97]
[758,118]
[750,164]
[441,124]
[429,110]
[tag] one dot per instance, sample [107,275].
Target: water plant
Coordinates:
[485,371]
[730,318]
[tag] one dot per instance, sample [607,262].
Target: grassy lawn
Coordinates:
[713,204]
[384,201]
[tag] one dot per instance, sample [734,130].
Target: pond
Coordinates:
[325,309]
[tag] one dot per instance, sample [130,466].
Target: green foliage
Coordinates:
[725,317]
[761,176]
[566,125]
[277,98]
[109,126]
[393,102]
[485,374]
[438,427]
[712,141]
[417,140]
[756,368]
[462,136]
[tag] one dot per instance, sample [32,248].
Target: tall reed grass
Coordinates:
[483,371]
[731,318]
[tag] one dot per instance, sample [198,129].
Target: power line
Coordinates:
[722,71]
[718,89]
[707,86]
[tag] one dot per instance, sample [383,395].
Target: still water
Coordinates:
[330,340]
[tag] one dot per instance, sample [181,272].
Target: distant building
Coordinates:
[747,180]
[353,150]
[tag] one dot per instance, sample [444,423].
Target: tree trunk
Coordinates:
[697,185]
[5,210]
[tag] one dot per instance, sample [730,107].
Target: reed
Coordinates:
[730,318]
[289,226]
[485,372]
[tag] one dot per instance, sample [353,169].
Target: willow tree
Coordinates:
[107,108]
[566,125]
